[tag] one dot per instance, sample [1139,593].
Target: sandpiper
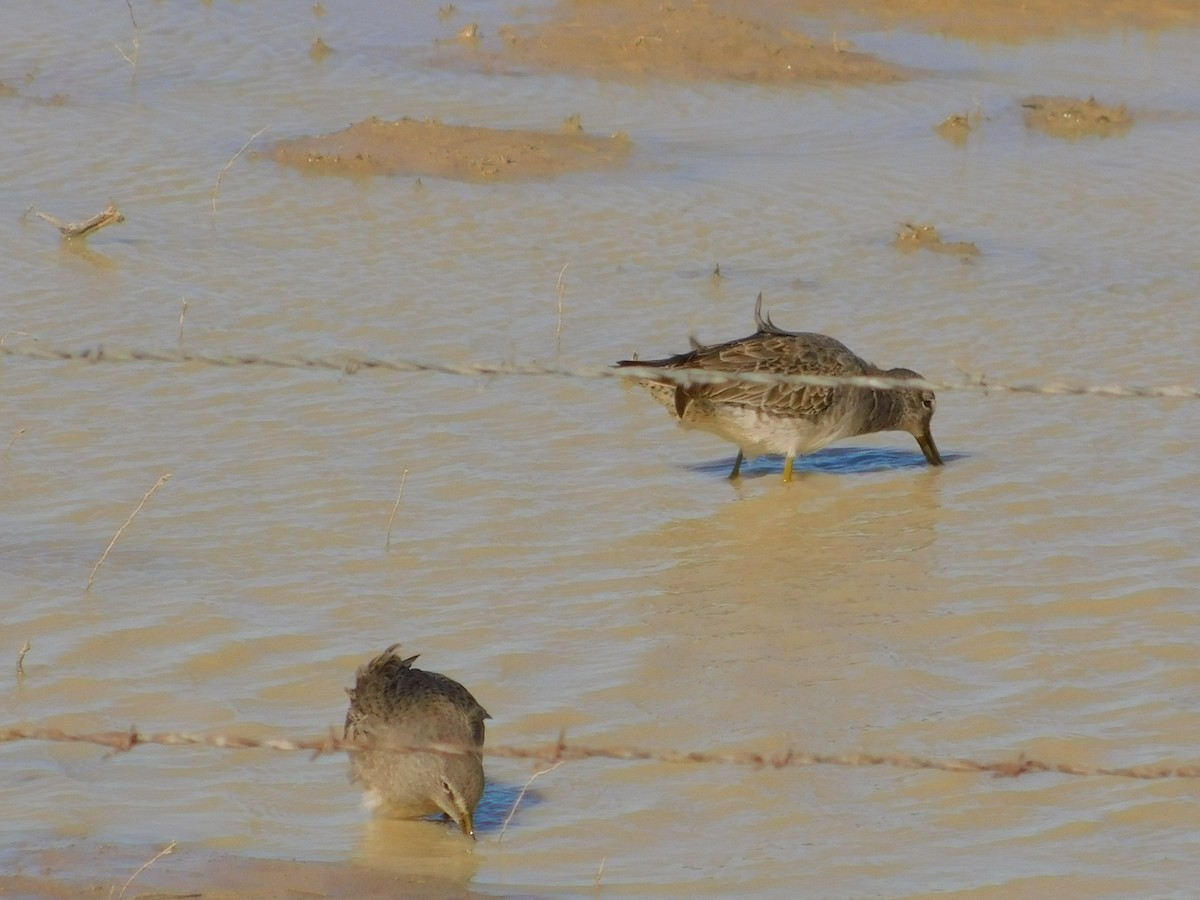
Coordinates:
[393,702]
[787,418]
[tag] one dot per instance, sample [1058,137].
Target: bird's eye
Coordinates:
[928,402]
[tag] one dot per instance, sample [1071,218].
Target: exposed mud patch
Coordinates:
[7,91]
[1070,117]
[193,873]
[463,152]
[682,41]
[319,50]
[926,237]
[957,127]
[1004,21]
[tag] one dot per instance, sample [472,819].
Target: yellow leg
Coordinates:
[787,468]
[737,466]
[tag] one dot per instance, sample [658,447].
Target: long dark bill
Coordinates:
[929,448]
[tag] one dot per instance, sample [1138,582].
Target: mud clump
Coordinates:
[1003,21]
[957,127]
[462,152]
[1070,117]
[682,41]
[926,237]
[319,50]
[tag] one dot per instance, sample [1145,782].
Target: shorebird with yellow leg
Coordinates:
[789,419]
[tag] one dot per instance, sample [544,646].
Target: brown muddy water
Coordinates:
[561,547]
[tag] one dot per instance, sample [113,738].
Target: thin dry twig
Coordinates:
[69,230]
[395,506]
[91,578]
[21,333]
[136,41]
[20,431]
[560,290]
[521,796]
[183,308]
[600,871]
[165,851]
[25,648]
[229,165]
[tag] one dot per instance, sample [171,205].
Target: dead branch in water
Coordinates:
[182,312]
[395,506]
[521,796]
[91,578]
[559,289]
[25,648]
[165,851]
[137,43]
[217,186]
[107,216]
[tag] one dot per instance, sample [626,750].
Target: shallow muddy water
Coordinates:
[561,547]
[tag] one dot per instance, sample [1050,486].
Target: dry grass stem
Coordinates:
[229,165]
[133,61]
[25,648]
[20,431]
[21,333]
[521,796]
[600,871]
[165,851]
[559,289]
[106,216]
[182,312]
[91,578]
[395,506]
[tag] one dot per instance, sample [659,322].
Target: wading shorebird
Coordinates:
[391,702]
[789,419]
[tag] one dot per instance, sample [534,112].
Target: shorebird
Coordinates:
[392,702]
[786,418]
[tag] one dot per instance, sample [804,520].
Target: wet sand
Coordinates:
[435,149]
[190,873]
[695,42]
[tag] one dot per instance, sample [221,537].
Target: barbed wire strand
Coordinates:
[351,363]
[562,751]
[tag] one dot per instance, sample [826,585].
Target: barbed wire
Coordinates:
[562,751]
[351,363]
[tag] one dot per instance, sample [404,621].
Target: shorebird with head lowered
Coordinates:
[789,419]
[392,702]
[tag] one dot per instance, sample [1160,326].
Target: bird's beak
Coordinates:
[467,824]
[929,448]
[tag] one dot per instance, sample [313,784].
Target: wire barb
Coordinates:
[350,364]
[561,751]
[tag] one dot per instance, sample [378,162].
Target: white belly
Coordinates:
[756,433]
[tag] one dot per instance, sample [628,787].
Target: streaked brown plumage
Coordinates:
[784,418]
[392,701]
